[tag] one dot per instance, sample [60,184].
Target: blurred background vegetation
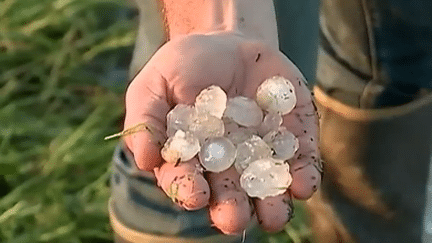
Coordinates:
[63,71]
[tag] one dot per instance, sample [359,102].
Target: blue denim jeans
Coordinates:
[386,45]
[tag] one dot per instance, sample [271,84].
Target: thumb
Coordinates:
[147,107]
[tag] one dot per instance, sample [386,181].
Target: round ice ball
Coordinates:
[179,118]
[266,177]
[283,142]
[182,146]
[276,94]
[211,100]
[244,111]
[250,150]
[272,121]
[217,154]
[205,125]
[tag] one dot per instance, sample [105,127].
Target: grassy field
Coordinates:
[63,70]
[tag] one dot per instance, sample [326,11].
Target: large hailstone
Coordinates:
[211,100]
[250,150]
[217,154]
[266,177]
[283,143]
[180,118]
[244,111]
[182,146]
[230,126]
[204,126]
[276,94]
[272,121]
[242,134]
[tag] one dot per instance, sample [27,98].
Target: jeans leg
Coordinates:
[298,33]
[377,160]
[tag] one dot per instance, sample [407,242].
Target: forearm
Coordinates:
[253,18]
[165,19]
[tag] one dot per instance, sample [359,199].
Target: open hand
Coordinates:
[175,75]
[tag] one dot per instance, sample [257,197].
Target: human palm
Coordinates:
[177,72]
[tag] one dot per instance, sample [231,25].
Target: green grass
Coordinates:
[63,66]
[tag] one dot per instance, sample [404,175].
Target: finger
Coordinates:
[306,179]
[305,167]
[274,212]
[184,184]
[146,103]
[230,208]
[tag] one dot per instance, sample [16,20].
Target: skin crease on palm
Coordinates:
[232,44]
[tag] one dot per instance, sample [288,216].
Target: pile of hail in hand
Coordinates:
[239,131]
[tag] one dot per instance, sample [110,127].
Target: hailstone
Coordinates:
[204,126]
[242,134]
[179,118]
[266,177]
[211,100]
[283,142]
[276,94]
[250,150]
[272,121]
[217,154]
[182,146]
[244,111]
